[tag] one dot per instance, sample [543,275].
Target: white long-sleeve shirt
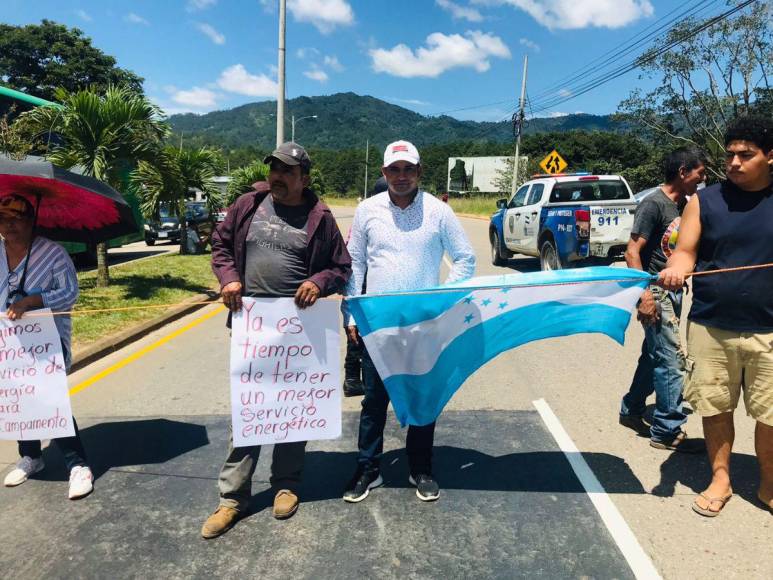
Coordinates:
[402,249]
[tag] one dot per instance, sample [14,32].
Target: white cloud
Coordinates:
[196,97]
[460,12]
[557,114]
[136,19]
[571,14]
[316,74]
[565,93]
[324,14]
[269,6]
[83,15]
[211,32]
[194,5]
[331,61]
[530,44]
[236,79]
[441,53]
[415,102]
[304,52]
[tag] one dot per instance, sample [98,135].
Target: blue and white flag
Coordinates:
[426,343]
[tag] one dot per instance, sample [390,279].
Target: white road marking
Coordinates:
[637,559]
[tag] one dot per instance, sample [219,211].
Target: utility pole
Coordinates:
[365,186]
[518,126]
[280,100]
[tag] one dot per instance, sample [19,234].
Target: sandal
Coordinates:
[767,506]
[706,511]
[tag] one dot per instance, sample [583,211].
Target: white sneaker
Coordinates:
[25,467]
[81,482]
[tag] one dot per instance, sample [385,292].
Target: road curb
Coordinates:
[112,343]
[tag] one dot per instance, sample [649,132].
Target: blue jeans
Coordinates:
[418,443]
[661,369]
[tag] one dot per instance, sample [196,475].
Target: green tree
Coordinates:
[39,58]
[104,134]
[169,177]
[317,182]
[705,81]
[12,142]
[243,178]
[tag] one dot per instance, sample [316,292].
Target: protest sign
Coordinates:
[285,372]
[34,401]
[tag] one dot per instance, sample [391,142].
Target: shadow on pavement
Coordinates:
[523,264]
[326,473]
[694,472]
[130,443]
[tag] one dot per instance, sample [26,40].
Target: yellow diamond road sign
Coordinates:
[553,163]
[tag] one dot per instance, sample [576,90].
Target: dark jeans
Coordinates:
[418,443]
[660,369]
[71,448]
[353,360]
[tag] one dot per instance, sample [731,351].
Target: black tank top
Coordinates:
[736,230]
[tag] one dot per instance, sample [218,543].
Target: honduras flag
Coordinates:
[425,343]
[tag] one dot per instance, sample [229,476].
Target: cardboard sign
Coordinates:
[285,372]
[34,401]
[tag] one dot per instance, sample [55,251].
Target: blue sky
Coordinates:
[432,56]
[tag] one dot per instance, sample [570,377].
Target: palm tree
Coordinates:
[167,179]
[243,178]
[104,134]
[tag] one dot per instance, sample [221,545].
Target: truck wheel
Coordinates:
[548,257]
[150,241]
[497,257]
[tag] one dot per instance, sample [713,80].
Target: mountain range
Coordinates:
[346,120]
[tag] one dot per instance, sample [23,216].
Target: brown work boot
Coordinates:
[220,522]
[285,504]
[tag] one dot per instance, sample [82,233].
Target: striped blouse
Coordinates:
[51,274]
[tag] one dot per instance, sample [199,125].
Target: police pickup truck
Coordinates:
[565,220]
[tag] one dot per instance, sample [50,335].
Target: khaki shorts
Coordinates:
[721,364]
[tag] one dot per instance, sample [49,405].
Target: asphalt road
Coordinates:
[156,426]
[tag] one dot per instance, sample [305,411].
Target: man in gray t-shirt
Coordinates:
[662,361]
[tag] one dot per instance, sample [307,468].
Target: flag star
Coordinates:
[502,305]
[486,302]
[506,290]
[468,318]
[467,300]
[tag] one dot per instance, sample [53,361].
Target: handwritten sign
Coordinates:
[285,372]
[34,402]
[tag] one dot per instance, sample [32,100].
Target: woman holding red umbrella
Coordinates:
[38,273]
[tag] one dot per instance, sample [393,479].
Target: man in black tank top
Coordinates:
[730,329]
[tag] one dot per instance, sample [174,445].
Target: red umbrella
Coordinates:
[70,207]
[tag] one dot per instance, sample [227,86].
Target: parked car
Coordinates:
[566,220]
[165,228]
[644,193]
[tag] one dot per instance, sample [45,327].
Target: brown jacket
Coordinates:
[328,263]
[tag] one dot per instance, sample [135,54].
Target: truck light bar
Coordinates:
[583,173]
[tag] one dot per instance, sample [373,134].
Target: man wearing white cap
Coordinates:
[399,238]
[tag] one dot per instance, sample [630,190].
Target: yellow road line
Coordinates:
[140,353]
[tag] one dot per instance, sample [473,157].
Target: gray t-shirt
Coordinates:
[276,249]
[657,221]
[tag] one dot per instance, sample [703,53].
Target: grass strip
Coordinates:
[477,205]
[166,279]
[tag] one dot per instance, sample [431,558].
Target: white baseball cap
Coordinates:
[401,151]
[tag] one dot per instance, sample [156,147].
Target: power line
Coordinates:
[637,62]
[627,47]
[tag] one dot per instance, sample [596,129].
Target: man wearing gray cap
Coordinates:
[278,243]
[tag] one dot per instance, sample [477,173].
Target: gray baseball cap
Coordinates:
[290,154]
